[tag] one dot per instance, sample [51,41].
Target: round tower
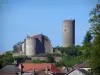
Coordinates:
[30,46]
[68,33]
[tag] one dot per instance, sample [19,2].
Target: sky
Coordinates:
[21,17]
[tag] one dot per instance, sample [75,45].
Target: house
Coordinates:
[40,72]
[9,70]
[79,72]
[63,70]
[2,53]
[48,68]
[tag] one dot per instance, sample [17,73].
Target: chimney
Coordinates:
[47,69]
[21,67]
[15,62]
[33,73]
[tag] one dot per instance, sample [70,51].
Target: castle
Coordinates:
[40,44]
[37,44]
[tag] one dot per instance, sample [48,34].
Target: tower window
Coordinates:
[65,30]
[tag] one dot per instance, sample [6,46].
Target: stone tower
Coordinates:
[30,46]
[68,33]
[37,44]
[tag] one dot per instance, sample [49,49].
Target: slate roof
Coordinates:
[9,69]
[83,65]
[82,71]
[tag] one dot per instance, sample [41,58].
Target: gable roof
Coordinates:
[39,66]
[9,69]
[84,71]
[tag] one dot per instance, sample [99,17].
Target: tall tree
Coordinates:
[87,38]
[50,58]
[95,29]
[6,59]
[87,45]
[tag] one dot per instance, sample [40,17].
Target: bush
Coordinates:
[39,61]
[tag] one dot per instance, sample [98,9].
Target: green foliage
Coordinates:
[87,45]
[46,39]
[58,64]
[39,61]
[68,61]
[6,59]
[88,37]
[50,58]
[95,61]
[72,51]
[53,54]
[70,56]
[19,57]
[95,29]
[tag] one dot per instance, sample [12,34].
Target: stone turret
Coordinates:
[68,33]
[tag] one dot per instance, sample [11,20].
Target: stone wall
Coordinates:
[57,59]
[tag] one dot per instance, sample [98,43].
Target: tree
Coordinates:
[95,29]
[88,37]
[50,58]
[87,45]
[56,48]
[78,50]
[62,49]
[17,47]
[72,51]
[6,59]
[78,47]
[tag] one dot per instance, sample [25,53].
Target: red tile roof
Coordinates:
[40,66]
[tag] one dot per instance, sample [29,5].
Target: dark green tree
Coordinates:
[50,58]
[78,50]
[87,38]
[87,45]
[6,59]
[95,29]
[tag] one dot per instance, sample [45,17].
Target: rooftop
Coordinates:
[40,66]
[9,69]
